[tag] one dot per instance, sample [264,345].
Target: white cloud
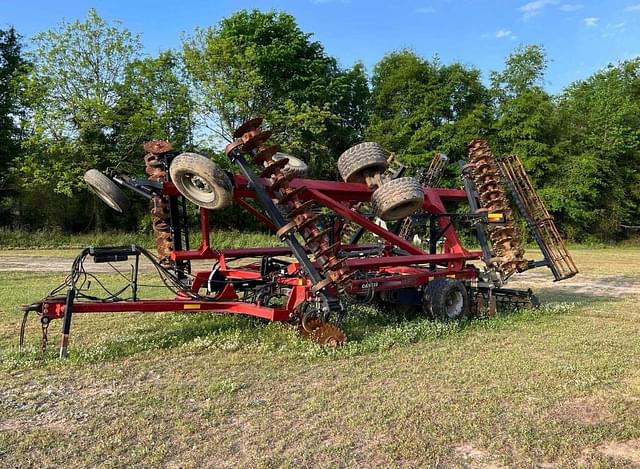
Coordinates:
[570,7]
[591,21]
[425,10]
[633,7]
[532,9]
[500,34]
[612,30]
[504,33]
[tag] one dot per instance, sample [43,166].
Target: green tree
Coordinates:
[526,120]
[153,103]
[262,64]
[73,87]
[12,68]
[599,187]
[419,106]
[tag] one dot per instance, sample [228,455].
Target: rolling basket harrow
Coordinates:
[318,268]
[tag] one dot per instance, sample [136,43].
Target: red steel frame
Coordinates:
[392,271]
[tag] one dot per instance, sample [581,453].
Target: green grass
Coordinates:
[56,239]
[555,386]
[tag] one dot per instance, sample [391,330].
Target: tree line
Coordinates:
[83,95]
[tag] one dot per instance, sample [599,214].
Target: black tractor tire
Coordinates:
[201,181]
[295,168]
[359,159]
[107,190]
[397,198]
[446,299]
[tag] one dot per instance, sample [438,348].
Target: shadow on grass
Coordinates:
[582,298]
[370,329]
[192,332]
[167,331]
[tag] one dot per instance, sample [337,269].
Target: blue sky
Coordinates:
[580,36]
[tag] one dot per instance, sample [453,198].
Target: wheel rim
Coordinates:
[402,210]
[106,199]
[196,187]
[454,304]
[360,173]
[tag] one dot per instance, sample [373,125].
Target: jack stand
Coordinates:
[66,322]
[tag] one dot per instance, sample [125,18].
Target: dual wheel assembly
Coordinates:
[393,199]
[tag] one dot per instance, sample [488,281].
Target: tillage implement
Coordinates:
[376,236]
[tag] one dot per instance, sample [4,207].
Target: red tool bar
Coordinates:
[343,191]
[338,190]
[208,253]
[236,253]
[56,310]
[373,263]
[392,282]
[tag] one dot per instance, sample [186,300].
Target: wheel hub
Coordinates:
[199,183]
[454,304]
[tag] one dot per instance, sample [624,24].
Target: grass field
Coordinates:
[52,239]
[557,387]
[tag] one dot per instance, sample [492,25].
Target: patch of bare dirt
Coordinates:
[52,264]
[627,451]
[476,458]
[58,407]
[612,286]
[587,410]
[49,420]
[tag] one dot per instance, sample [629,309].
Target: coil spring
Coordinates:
[159,205]
[505,240]
[299,213]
